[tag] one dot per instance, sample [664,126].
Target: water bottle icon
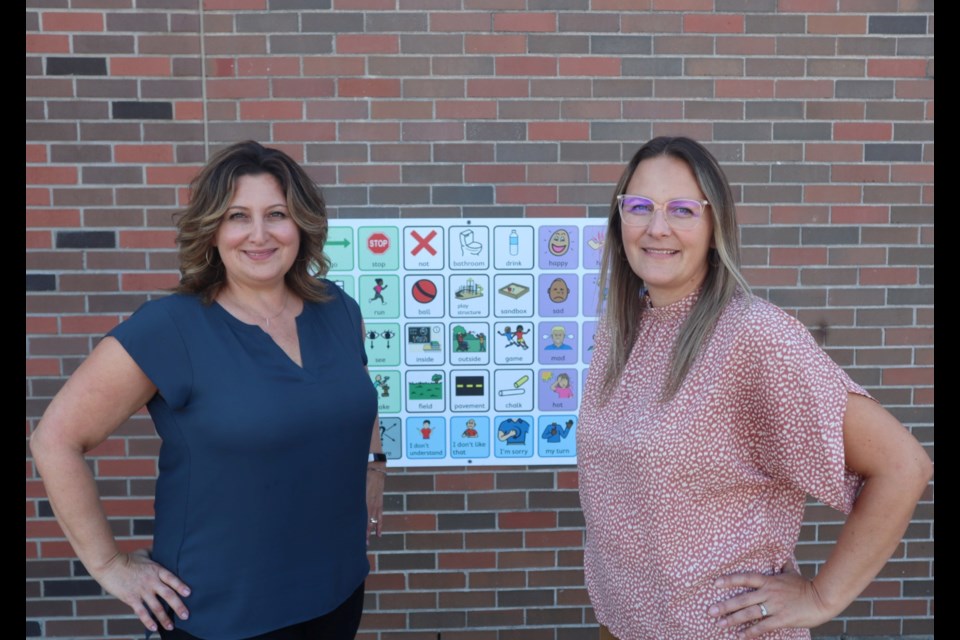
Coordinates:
[514,242]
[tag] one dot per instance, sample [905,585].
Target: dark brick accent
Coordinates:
[305,5]
[654,66]
[892,152]
[86,240]
[33,629]
[865,89]
[830,235]
[142,110]
[57,66]
[466,521]
[55,588]
[897,24]
[41,282]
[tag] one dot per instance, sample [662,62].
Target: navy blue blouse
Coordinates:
[261,496]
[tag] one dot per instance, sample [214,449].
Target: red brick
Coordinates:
[554,539]
[368,87]
[304,131]
[593,66]
[911,376]
[466,109]
[526,66]
[527,520]
[467,560]
[746,45]
[797,256]
[410,522]
[497,88]
[923,396]
[494,173]
[709,22]
[863,214]
[148,281]
[153,66]
[526,194]
[148,239]
[771,277]
[333,66]
[726,88]
[495,43]
[863,131]
[47,43]
[912,173]
[36,153]
[907,336]
[303,88]
[807,89]
[525,559]
[87,324]
[51,175]
[127,467]
[860,173]
[222,67]
[888,276]
[171,175]
[41,324]
[268,66]
[473,481]
[111,447]
[914,89]
[797,214]
[367,43]
[271,110]
[849,24]
[116,507]
[558,130]
[71,21]
[53,218]
[143,153]
[896,68]
[526,22]
[807,6]
[833,152]
[459,21]
[234,89]
[41,367]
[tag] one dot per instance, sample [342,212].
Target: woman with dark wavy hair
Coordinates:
[708,416]
[271,469]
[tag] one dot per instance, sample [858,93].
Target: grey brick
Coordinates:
[401,561]
[585,194]
[527,152]
[469,521]
[593,22]
[777,24]
[306,5]
[41,282]
[431,173]
[769,235]
[742,130]
[634,44]
[830,235]
[775,67]
[926,277]
[78,110]
[185,22]
[399,195]
[103,43]
[802,131]
[806,297]
[804,172]
[725,152]
[462,195]
[897,24]
[912,214]
[470,152]
[746,6]
[556,43]
[866,46]
[496,131]
[80,153]
[337,152]
[34,68]
[654,66]
[778,194]
[588,151]
[915,46]
[525,598]
[140,21]
[142,110]
[432,43]
[62,66]
[107,88]
[493,211]
[864,89]
[429,211]
[531,110]
[910,256]
[333,22]
[619,131]
[180,131]
[922,131]
[892,152]
[263,22]
[806,46]
[739,174]
[368,213]
[889,110]
[683,88]
[713,109]
[170,88]
[377,22]
[622,88]
[111,175]
[394,65]
[462,65]
[910,296]
[836,67]
[228,132]
[33,19]
[437,619]
[774,110]
[288,43]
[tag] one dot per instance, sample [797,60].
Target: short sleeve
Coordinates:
[153,340]
[798,398]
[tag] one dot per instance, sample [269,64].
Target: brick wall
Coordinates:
[820,110]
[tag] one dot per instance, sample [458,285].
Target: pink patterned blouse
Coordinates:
[714,481]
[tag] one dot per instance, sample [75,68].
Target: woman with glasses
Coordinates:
[708,416]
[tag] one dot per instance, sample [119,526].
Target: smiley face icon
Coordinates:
[558,290]
[559,242]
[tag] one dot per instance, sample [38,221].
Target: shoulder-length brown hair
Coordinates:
[202,271]
[624,301]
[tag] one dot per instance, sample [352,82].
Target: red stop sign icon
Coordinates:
[378,242]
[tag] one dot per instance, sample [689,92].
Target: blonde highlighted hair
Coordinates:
[624,288]
[202,271]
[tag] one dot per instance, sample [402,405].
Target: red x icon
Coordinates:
[423,243]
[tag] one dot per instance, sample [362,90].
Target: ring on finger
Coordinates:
[374,521]
[763,611]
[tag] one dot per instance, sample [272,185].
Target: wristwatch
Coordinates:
[377,457]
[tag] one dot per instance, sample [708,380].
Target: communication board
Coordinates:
[478,333]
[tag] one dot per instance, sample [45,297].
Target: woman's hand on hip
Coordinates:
[785,600]
[140,583]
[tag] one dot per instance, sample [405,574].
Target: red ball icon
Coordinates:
[424,291]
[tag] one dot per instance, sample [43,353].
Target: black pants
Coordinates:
[340,624]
